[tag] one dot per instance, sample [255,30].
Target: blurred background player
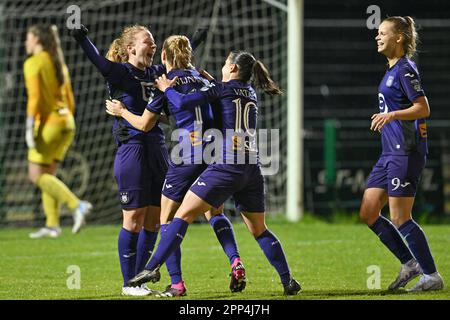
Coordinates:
[220,181]
[50,126]
[395,177]
[177,56]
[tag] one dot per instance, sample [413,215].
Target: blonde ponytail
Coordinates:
[178,51]
[411,43]
[117,52]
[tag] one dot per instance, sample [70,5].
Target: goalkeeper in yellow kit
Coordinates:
[50,126]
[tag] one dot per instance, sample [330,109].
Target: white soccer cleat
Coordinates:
[46,233]
[136,291]
[428,282]
[79,215]
[408,272]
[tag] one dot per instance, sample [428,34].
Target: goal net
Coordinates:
[253,25]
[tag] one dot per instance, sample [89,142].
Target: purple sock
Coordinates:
[225,234]
[173,262]
[273,250]
[391,238]
[172,240]
[145,245]
[417,241]
[127,253]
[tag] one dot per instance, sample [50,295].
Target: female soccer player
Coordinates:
[50,126]
[141,159]
[221,180]
[191,124]
[395,177]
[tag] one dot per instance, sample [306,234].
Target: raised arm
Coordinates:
[112,71]
[198,37]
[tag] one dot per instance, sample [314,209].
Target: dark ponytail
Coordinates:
[255,70]
[262,79]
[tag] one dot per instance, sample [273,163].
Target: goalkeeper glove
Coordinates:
[80,33]
[29,133]
[198,37]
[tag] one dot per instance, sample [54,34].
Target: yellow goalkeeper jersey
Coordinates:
[44,93]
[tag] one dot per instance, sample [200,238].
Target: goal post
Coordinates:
[2,126]
[294,190]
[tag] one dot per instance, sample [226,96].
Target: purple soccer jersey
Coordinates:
[134,88]
[239,115]
[399,88]
[239,111]
[193,120]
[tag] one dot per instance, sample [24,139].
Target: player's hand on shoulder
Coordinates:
[206,75]
[198,37]
[79,33]
[114,107]
[162,83]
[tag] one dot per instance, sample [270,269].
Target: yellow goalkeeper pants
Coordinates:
[53,138]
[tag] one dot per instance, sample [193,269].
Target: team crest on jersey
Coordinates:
[390,81]
[124,198]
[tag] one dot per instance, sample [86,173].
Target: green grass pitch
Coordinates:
[329,260]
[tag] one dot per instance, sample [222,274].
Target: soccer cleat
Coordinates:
[152,292]
[145,276]
[292,288]
[428,282]
[46,233]
[408,271]
[137,291]
[79,215]
[238,281]
[172,292]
